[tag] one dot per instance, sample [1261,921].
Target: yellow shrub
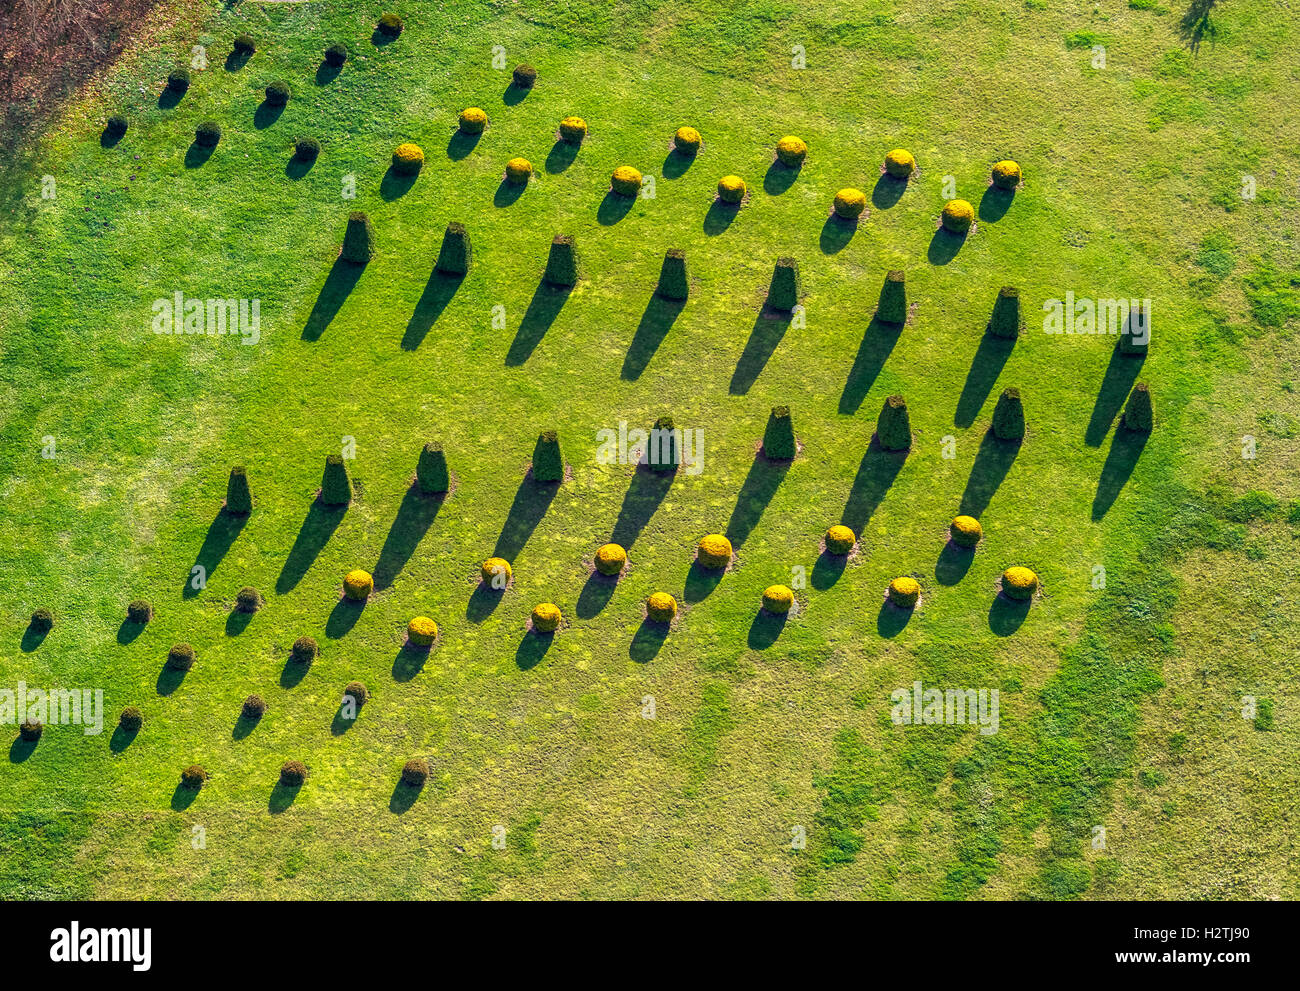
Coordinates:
[473,120]
[496,572]
[519,170]
[778,599]
[1006,174]
[900,164]
[626,181]
[408,159]
[714,551]
[849,203]
[731,189]
[1019,583]
[546,617]
[957,216]
[965,531]
[840,539]
[422,631]
[357,585]
[791,150]
[610,559]
[904,592]
[573,129]
[660,607]
[687,140]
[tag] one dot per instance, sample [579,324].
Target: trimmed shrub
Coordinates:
[293,772]
[358,584]
[496,572]
[791,151]
[1005,321]
[115,127]
[131,719]
[357,692]
[456,254]
[335,485]
[358,239]
[731,189]
[900,164]
[957,216]
[562,262]
[42,620]
[610,559]
[840,540]
[662,452]
[778,438]
[1006,174]
[892,307]
[180,657]
[193,777]
[408,158]
[431,469]
[784,292]
[1138,415]
[336,55]
[304,650]
[248,599]
[548,462]
[546,617]
[278,93]
[849,203]
[904,592]
[893,428]
[713,551]
[239,500]
[473,120]
[524,76]
[965,531]
[778,599]
[244,44]
[573,130]
[626,181]
[1019,583]
[207,134]
[253,707]
[178,80]
[519,171]
[421,631]
[673,280]
[306,149]
[415,772]
[1009,416]
[390,25]
[139,611]
[30,730]
[660,607]
[687,140]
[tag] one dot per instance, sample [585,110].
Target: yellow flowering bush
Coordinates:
[660,607]
[357,585]
[408,159]
[610,559]
[546,617]
[904,592]
[422,631]
[840,539]
[714,551]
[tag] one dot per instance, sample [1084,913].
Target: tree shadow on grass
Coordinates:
[128,631]
[438,292]
[515,95]
[995,203]
[297,166]
[613,208]
[760,485]
[121,739]
[169,679]
[313,535]
[267,114]
[1006,615]
[326,73]
[542,310]
[414,517]
[887,191]
[508,193]
[892,620]
[21,749]
[532,499]
[595,594]
[244,726]
[339,283]
[196,155]
[647,641]
[460,144]
[1125,449]
[183,797]
[1197,25]
[676,164]
[394,185]
[282,796]
[719,217]
[827,570]
[836,234]
[409,662]
[700,582]
[944,246]
[404,796]
[769,328]
[237,622]
[656,322]
[644,494]
[877,343]
[33,637]
[779,177]
[483,601]
[220,536]
[953,563]
[985,367]
[992,462]
[532,649]
[561,156]
[1121,373]
[876,473]
[765,629]
[343,617]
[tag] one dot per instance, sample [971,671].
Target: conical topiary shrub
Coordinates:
[783,294]
[548,462]
[358,239]
[1005,321]
[335,486]
[663,453]
[1138,415]
[431,469]
[893,428]
[562,263]
[1009,416]
[893,299]
[778,438]
[455,255]
[239,501]
[673,283]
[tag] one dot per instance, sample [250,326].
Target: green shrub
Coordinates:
[431,469]
[248,600]
[178,80]
[131,719]
[278,93]
[455,255]
[892,307]
[336,55]
[304,650]
[139,611]
[1130,343]
[524,76]
[115,127]
[253,707]
[42,620]
[778,437]
[673,280]
[415,772]
[193,777]
[207,134]
[293,772]
[1009,416]
[548,462]
[180,657]
[357,692]
[663,454]
[1138,415]
[390,25]
[562,262]
[244,44]
[239,500]
[30,730]
[335,485]
[1005,321]
[306,149]
[784,292]
[358,239]
[893,427]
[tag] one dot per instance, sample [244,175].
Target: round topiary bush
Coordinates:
[957,216]
[965,531]
[253,708]
[473,120]
[421,631]
[139,611]
[131,719]
[791,151]
[207,134]
[390,25]
[336,55]
[306,149]
[731,189]
[408,158]
[180,657]
[524,76]
[626,181]
[30,730]
[900,164]
[178,80]
[713,551]
[1006,174]
[304,650]
[660,607]
[904,592]
[244,44]
[1019,583]
[115,127]
[573,130]
[687,140]
[840,539]
[610,559]
[415,772]
[248,599]
[293,773]
[519,170]
[778,599]
[358,584]
[496,572]
[357,692]
[849,203]
[546,617]
[193,777]
[42,620]
[278,93]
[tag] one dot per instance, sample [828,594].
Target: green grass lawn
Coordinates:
[1133,172]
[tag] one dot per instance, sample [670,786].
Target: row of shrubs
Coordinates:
[294,773]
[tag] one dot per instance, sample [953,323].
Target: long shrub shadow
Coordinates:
[483,602]
[110,139]
[326,73]
[827,570]
[1125,449]
[508,192]
[647,641]
[992,462]
[293,673]
[237,60]
[887,191]
[944,246]
[169,98]
[169,679]
[183,797]
[409,662]
[613,208]
[891,620]
[876,473]
[313,535]
[297,166]
[719,217]
[197,154]
[765,629]
[953,563]
[381,40]
[1006,615]
[532,649]
[836,234]
[561,156]
[542,310]
[532,499]
[342,722]
[394,185]
[121,739]
[595,595]
[438,292]
[33,637]
[995,203]
[267,114]
[985,367]
[343,617]
[700,582]
[460,144]
[877,343]
[237,622]
[760,485]
[128,631]
[244,727]
[779,177]
[515,95]
[656,322]
[21,749]
[769,327]
[414,517]
[221,534]
[1116,384]
[643,496]
[282,797]
[404,796]
[339,283]
[676,164]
